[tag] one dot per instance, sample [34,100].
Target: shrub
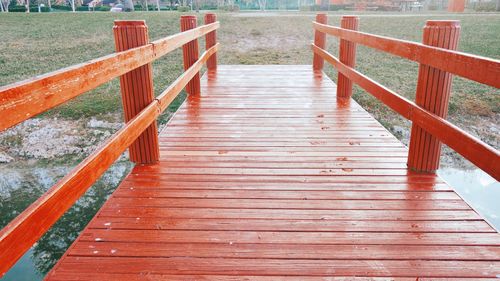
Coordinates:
[82,8]
[141,8]
[16,9]
[61,7]
[103,8]
[22,9]
[43,9]
[183,9]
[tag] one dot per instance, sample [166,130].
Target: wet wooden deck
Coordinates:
[267,177]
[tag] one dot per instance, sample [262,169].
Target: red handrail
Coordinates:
[480,69]
[22,232]
[26,99]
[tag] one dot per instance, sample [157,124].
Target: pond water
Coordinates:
[19,187]
[477,188]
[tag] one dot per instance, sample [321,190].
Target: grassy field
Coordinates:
[37,43]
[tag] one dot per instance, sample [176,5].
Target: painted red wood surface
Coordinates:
[347,55]
[190,53]
[266,177]
[433,94]
[211,40]
[25,99]
[137,89]
[22,232]
[320,41]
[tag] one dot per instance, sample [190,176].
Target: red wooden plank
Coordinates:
[285,194]
[25,99]
[304,204]
[382,215]
[295,225]
[284,267]
[285,251]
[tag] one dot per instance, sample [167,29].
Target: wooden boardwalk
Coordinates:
[268,177]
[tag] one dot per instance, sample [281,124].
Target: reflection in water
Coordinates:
[479,189]
[19,187]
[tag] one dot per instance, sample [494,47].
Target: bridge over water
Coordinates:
[267,172]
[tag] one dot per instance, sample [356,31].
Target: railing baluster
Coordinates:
[433,94]
[347,55]
[320,41]
[211,40]
[190,55]
[137,90]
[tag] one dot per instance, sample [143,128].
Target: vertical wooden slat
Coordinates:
[190,54]
[433,94]
[347,55]
[211,40]
[137,90]
[320,41]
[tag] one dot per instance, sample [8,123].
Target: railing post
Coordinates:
[137,90]
[433,94]
[347,55]
[320,41]
[190,55]
[456,6]
[211,40]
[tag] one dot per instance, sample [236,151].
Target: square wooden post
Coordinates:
[347,55]
[320,41]
[211,40]
[137,90]
[190,55]
[433,94]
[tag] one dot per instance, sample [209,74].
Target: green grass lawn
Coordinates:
[37,43]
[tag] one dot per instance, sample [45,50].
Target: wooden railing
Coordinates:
[438,61]
[132,63]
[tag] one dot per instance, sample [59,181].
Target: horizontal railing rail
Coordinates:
[22,232]
[23,100]
[480,69]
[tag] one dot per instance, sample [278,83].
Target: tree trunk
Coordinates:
[147,8]
[498,5]
[27,6]
[158,5]
[73,5]
[1,6]
[49,3]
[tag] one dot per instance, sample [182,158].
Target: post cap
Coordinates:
[129,22]
[188,17]
[443,23]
